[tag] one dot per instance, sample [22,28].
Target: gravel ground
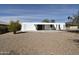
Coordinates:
[40,43]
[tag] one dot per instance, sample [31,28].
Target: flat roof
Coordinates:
[4,23]
[39,23]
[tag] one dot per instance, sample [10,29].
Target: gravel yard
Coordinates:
[40,43]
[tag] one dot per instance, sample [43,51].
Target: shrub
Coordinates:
[14,26]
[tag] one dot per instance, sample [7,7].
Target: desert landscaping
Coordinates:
[44,43]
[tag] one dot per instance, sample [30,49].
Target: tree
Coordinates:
[46,20]
[74,20]
[14,26]
[69,18]
[69,22]
[52,21]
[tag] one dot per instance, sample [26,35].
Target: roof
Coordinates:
[40,23]
[2,22]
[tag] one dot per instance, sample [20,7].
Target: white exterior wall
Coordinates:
[28,27]
[31,26]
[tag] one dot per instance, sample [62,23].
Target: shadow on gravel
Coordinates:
[76,40]
[73,31]
[20,32]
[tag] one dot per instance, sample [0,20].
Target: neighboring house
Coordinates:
[75,27]
[3,23]
[30,26]
[3,27]
[71,26]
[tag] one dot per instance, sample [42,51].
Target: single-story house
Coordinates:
[36,26]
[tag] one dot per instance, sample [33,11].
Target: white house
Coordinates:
[30,26]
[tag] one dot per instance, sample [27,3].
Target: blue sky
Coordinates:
[36,12]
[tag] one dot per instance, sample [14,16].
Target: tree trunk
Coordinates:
[14,32]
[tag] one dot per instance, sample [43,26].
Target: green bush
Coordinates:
[14,26]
